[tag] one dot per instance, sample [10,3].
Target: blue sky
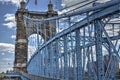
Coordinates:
[7,35]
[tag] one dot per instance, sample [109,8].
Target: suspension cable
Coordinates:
[27,2]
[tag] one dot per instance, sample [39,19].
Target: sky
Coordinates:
[7,34]
[8,25]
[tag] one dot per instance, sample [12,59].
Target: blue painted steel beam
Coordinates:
[99,55]
[79,68]
[16,75]
[66,76]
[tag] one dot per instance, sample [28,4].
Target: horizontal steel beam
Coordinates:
[102,6]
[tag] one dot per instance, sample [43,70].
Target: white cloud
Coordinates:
[7,59]
[9,25]
[9,17]
[14,2]
[103,1]
[6,62]
[13,36]
[3,53]
[10,20]
[71,2]
[66,3]
[7,47]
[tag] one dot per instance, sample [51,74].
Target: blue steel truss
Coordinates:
[86,45]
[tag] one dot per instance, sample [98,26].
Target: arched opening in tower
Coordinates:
[34,42]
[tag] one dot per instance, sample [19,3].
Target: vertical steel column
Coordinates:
[45,48]
[39,63]
[112,63]
[62,65]
[45,39]
[35,58]
[78,55]
[41,50]
[51,60]
[66,77]
[84,50]
[69,52]
[46,62]
[57,58]
[44,58]
[88,55]
[99,55]
[37,30]
[74,59]
[42,62]
[88,48]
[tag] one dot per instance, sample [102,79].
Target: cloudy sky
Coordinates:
[7,33]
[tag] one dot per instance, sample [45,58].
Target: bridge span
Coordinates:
[80,44]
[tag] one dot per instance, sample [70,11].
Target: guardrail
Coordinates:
[25,76]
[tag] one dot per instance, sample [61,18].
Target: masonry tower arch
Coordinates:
[22,33]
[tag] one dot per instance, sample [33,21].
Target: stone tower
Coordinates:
[21,40]
[21,46]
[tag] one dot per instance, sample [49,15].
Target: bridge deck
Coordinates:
[25,76]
